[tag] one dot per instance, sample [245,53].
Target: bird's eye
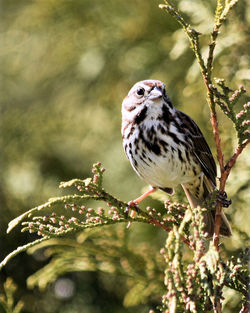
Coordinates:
[140,92]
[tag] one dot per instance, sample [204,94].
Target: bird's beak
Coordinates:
[155,93]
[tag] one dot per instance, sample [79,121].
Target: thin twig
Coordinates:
[214,122]
[168,229]
[237,152]
[224,176]
[245,308]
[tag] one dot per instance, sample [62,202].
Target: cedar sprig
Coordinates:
[227,99]
[188,282]
[237,274]
[8,303]
[64,215]
[108,251]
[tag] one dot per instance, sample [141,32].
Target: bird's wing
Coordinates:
[200,147]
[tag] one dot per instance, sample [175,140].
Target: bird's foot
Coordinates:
[133,207]
[222,198]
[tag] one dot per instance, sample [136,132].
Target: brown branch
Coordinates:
[217,306]
[216,236]
[237,152]
[216,133]
[155,222]
[220,157]
[225,171]
[245,308]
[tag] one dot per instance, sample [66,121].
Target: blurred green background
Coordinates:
[66,66]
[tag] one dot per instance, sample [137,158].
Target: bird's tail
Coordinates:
[209,216]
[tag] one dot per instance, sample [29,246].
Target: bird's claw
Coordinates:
[131,206]
[222,198]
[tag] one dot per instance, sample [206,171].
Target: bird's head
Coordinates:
[146,96]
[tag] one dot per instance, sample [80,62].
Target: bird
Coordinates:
[166,148]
